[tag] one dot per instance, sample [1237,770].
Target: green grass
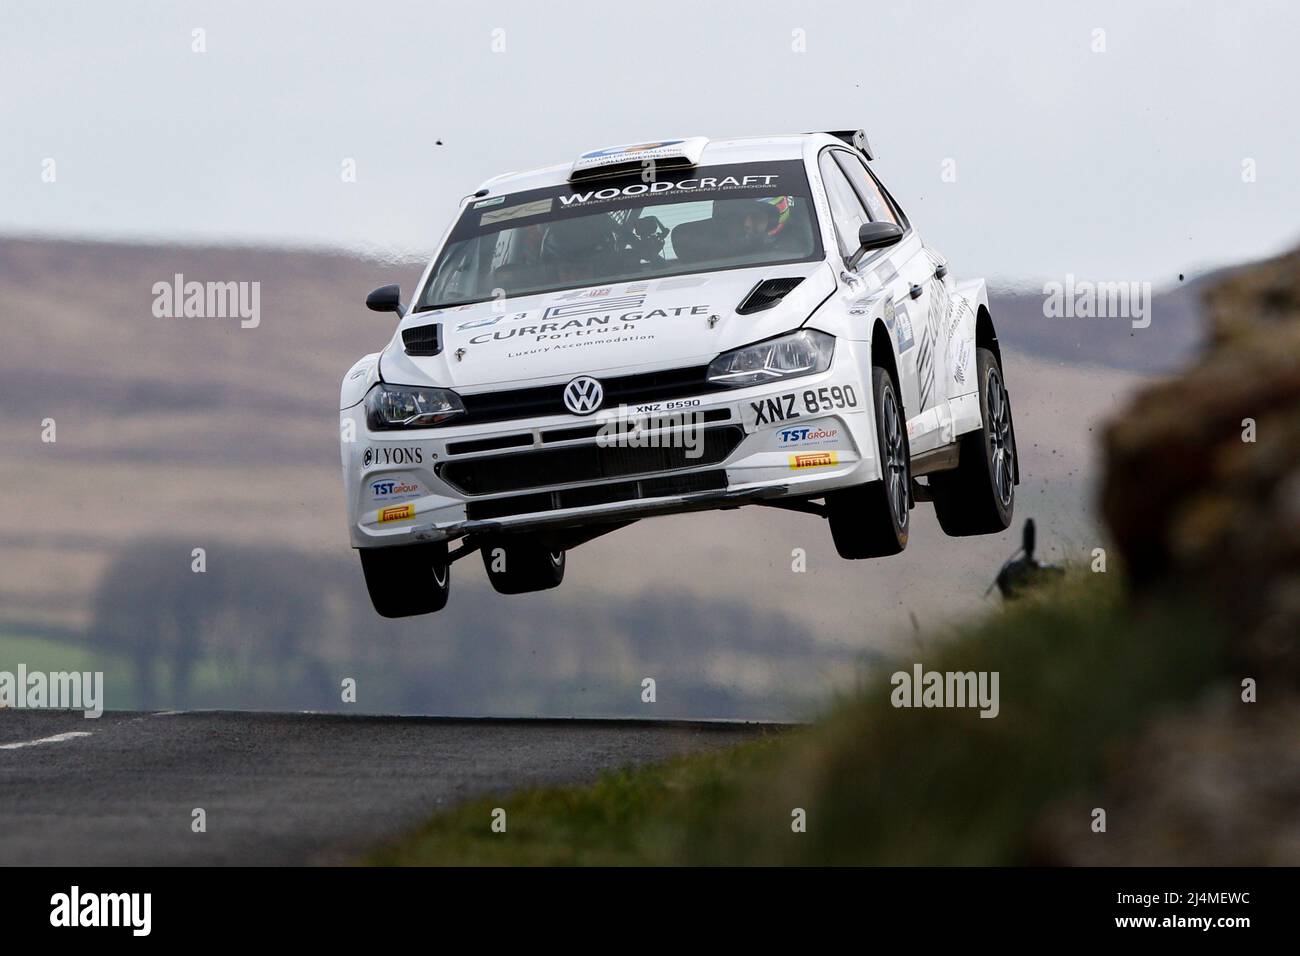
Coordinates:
[45,654]
[211,680]
[50,655]
[1080,672]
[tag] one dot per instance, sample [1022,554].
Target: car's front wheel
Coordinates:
[871,520]
[979,495]
[407,580]
[519,566]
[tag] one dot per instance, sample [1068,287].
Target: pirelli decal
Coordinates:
[820,459]
[396,513]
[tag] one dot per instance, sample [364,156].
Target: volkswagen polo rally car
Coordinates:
[668,327]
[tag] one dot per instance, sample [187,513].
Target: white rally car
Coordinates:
[667,327]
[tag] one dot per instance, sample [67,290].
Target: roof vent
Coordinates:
[767,294]
[423,339]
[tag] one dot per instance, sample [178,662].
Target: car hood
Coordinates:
[623,328]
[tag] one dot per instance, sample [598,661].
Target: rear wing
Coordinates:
[853,137]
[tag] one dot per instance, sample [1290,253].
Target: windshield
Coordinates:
[610,230]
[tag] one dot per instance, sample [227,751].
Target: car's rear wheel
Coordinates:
[871,520]
[979,495]
[407,580]
[519,566]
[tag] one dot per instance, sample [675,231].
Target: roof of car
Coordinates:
[716,151]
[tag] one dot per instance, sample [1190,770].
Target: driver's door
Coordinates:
[896,269]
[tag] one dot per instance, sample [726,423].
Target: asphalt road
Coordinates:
[282,788]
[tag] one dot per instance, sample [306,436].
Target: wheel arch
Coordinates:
[986,336]
[882,352]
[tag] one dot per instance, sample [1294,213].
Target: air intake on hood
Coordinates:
[423,339]
[767,294]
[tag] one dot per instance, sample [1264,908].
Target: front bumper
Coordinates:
[799,438]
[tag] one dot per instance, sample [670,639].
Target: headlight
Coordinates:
[408,406]
[805,352]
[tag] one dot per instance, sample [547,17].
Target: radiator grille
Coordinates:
[559,466]
[662,487]
[640,389]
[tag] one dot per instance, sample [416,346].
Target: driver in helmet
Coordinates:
[747,223]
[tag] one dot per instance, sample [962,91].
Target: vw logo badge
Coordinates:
[583,395]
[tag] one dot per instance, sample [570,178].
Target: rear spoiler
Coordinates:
[853,137]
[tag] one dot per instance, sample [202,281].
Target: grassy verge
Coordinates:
[46,654]
[1079,672]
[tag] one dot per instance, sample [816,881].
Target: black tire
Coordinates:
[522,565]
[979,495]
[407,580]
[871,520]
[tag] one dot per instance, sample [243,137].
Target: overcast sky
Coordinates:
[1122,164]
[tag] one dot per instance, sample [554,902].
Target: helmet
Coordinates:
[782,204]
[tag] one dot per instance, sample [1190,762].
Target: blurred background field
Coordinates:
[175,434]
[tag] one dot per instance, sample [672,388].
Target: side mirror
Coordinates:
[387,298]
[876,235]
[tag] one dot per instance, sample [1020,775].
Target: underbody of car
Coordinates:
[667,327]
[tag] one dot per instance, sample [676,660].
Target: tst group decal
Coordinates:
[806,437]
[392,455]
[395,488]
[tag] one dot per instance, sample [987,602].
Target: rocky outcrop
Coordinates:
[1202,496]
[1202,476]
